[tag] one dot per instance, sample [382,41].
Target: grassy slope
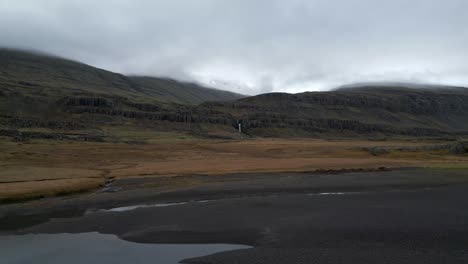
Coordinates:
[46,76]
[181,92]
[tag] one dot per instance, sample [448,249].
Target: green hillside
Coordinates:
[33,74]
[48,97]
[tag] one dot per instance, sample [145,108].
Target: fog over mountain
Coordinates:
[252,46]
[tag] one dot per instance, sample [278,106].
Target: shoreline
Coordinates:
[122,192]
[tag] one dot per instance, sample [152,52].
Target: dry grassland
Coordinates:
[44,168]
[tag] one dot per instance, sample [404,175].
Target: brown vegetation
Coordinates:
[50,167]
[18,191]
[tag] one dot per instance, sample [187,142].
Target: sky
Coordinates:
[252,46]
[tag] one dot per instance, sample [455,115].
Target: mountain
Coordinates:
[49,93]
[35,74]
[397,86]
[43,96]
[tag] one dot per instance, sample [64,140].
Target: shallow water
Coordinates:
[97,248]
[330,193]
[133,207]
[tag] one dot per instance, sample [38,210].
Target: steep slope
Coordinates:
[45,93]
[180,92]
[34,74]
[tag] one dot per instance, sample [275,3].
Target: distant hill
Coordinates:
[379,86]
[362,110]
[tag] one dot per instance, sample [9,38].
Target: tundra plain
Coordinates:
[42,168]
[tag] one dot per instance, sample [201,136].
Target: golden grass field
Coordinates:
[45,168]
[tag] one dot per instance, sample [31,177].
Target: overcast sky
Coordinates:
[252,46]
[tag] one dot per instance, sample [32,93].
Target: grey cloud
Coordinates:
[252,46]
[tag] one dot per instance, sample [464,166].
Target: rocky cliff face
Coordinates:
[399,112]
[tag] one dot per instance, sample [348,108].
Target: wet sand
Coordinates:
[403,216]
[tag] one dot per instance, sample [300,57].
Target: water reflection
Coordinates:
[97,248]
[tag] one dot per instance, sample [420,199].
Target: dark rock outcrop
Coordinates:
[459,148]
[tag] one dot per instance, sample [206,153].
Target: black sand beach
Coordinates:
[402,216]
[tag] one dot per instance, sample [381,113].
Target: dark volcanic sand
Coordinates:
[406,216]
